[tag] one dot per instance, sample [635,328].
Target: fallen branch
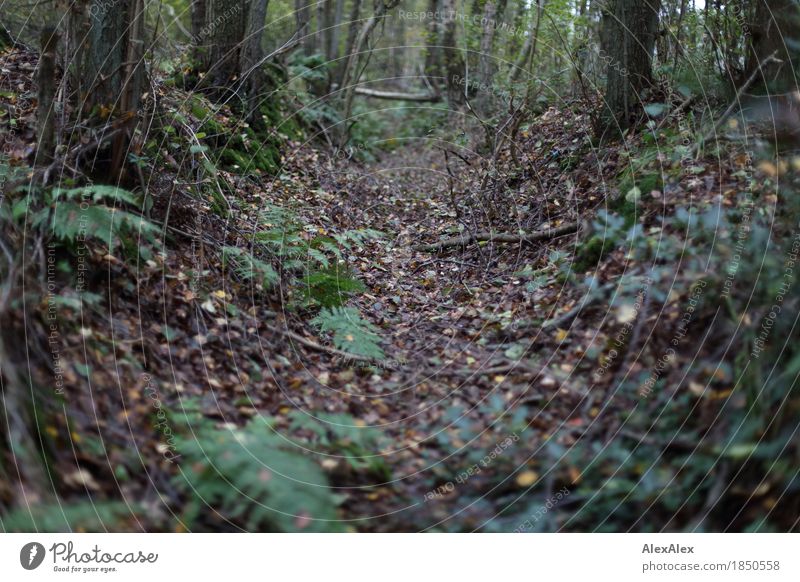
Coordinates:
[398,96]
[346,356]
[498,237]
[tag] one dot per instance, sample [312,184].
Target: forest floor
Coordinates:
[497,354]
[468,341]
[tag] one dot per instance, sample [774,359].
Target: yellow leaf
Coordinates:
[768,168]
[561,334]
[527,478]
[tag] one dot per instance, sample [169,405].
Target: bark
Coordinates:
[492,15]
[352,35]
[396,61]
[113,70]
[451,55]
[302,14]
[252,61]
[336,23]
[226,24]
[198,22]
[433,54]
[324,16]
[774,30]
[631,29]
[46,134]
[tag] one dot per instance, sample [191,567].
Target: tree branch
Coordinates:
[498,237]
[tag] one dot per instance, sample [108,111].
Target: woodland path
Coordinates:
[448,324]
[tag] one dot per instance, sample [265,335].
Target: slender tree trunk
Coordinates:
[433,55]
[396,60]
[452,60]
[352,35]
[353,69]
[324,18]
[492,15]
[336,23]
[630,36]
[46,132]
[302,14]
[529,48]
[198,22]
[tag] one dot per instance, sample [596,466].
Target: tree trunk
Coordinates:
[336,23]
[492,15]
[529,48]
[324,16]
[397,62]
[251,62]
[114,72]
[630,35]
[352,71]
[433,61]
[452,60]
[198,22]
[226,24]
[774,30]
[352,35]
[46,132]
[302,14]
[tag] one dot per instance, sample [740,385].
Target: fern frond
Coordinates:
[331,287]
[96,193]
[248,267]
[350,332]
[249,477]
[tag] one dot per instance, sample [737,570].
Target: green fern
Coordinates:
[350,331]
[82,516]
[357,237]
[248,267]
[250,479]
[91,212]
[96,193]
[330,287]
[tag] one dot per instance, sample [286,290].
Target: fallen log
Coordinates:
[398,96]
[497,237]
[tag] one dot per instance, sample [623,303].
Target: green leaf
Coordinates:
[351,333]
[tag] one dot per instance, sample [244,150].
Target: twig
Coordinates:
[461,241]
[320,348]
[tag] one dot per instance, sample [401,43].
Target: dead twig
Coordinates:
[497,237]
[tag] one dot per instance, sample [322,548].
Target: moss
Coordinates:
[592,252]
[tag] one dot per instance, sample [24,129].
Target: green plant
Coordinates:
[350,331]
[90,212]
[330,287]
[248,267]
[252,479]
[69,516]
[339,435]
